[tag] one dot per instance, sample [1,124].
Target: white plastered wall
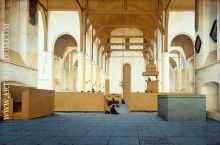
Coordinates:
[59,23]
[136,60]
[207,61]
[180,22]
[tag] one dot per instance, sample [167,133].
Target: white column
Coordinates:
[93,75]
[204,29]
[218,17]
[23,28]
[45,70]
[165,72]
[88,73]
[81,78]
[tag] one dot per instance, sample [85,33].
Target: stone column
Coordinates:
[94,76]
[81,69]
[87,74]
[204,29]
[98,77]
[218,20]
[165,72]
[107,87]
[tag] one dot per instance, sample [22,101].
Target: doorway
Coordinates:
[126,86]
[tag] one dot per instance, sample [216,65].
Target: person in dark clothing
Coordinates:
[113,110]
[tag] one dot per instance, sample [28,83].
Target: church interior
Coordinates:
[109,72]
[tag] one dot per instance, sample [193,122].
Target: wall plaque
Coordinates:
[213,33]
[198,44]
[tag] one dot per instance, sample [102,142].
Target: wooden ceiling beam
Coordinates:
[132,44]
[123,36]
[168,4]
[79,5]
[98,12]
[126,50]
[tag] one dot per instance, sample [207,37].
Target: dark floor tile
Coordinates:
[189,141]
[7,140]
[100,129]
[148,140]
[124,141]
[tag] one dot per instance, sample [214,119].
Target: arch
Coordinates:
[177,50]
[211,90]
[185,42]
[192,37]
[173,75]
[173,63]
[70,50]
[63,43]
[64,68]
[179,80]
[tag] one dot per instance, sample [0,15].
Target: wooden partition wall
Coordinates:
[79,102]
[29,103]
[143,102]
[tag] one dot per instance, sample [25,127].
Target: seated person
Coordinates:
[110,106]
[113,110]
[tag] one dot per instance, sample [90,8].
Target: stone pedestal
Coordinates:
[186,107]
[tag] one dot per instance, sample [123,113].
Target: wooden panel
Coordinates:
[142,5]
[41,102]
[151,70]
[105,5]
[107,87]
[44,3]
[182,5]
[80,102]
[62,5]
[126,81]
[152,86]
[142,102]
[34,102]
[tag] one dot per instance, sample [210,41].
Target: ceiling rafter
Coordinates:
[79,5]
[105,16]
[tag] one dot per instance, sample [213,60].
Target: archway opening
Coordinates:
[185,42]
[211,90]
[126,82]
[183,53]
[126,46]
[65,64]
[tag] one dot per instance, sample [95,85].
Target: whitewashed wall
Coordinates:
[59,23]
[137,68]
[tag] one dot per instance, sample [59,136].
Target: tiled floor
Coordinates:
[101,129]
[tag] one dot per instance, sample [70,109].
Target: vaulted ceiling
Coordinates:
[107,15]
